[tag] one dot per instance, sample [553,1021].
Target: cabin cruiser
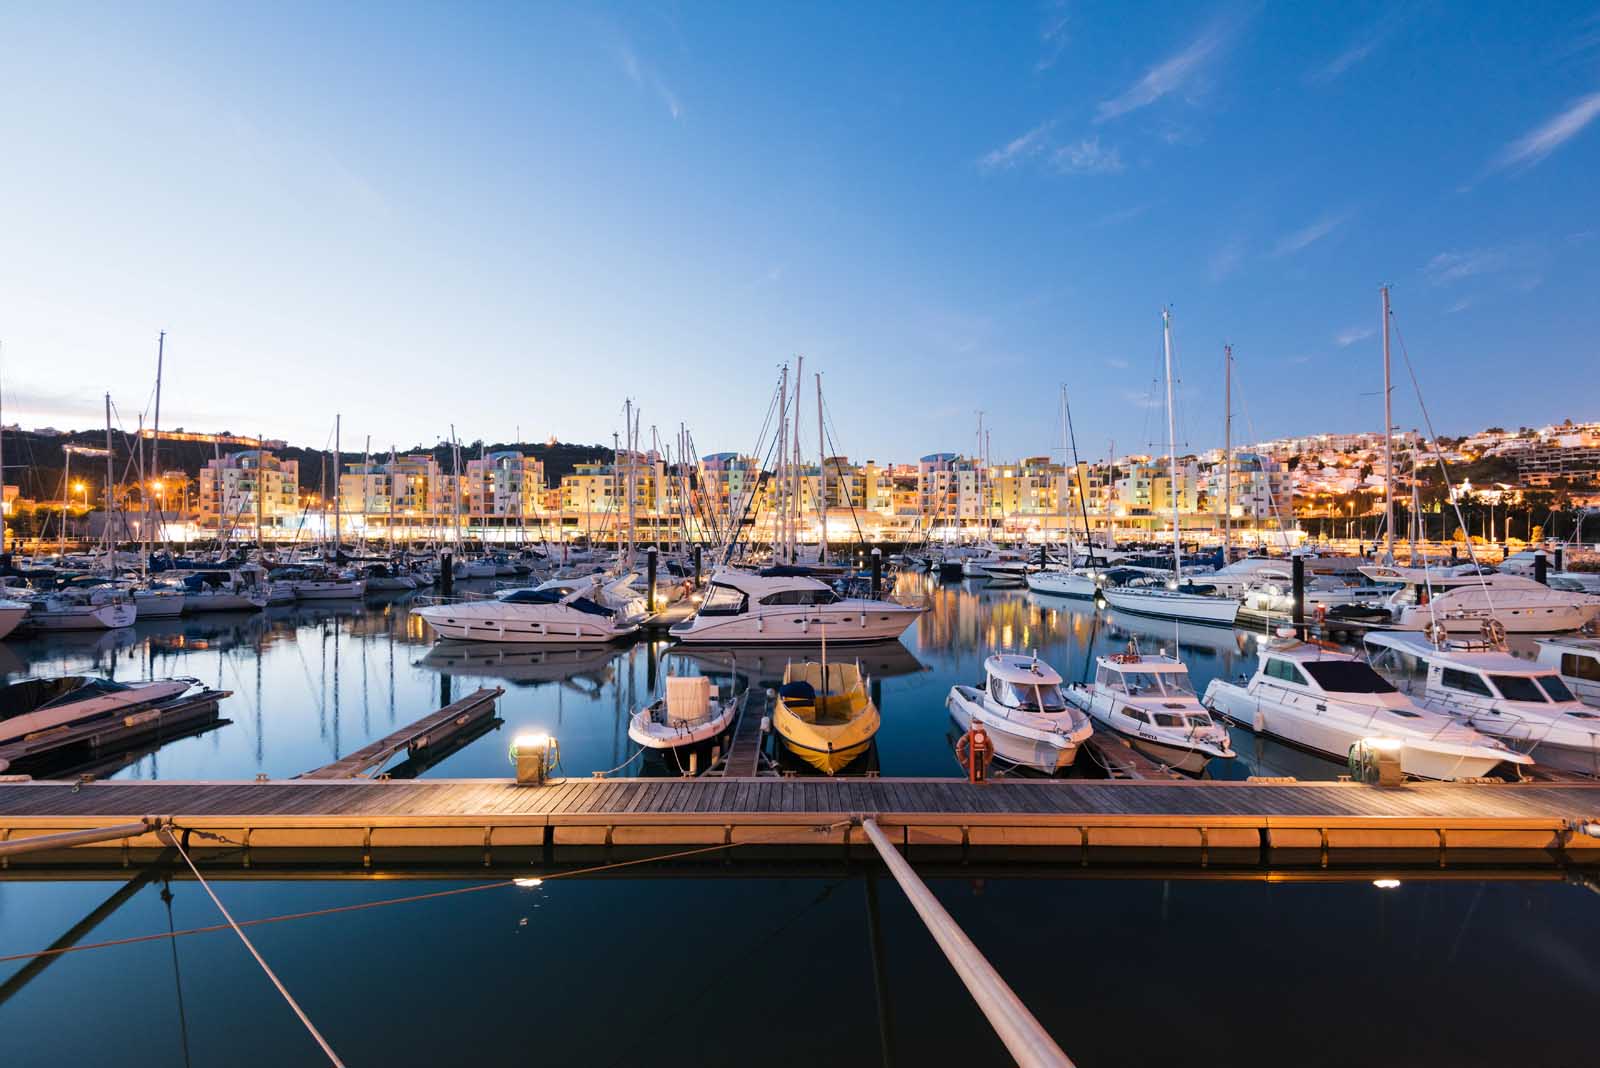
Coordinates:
[12,613]
[29,706]
[787,605]
[1524,704]
[96,608]
[1578,661]
[1188,602]
[524,615]
[1328,702]
[321,583]
[824,716]
[1027,717]
[1273,594]
[616,594]
[980,558]
[691,712]
[1249,572]
[1150,702]
[1461,598]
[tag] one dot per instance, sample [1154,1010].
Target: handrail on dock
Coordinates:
[1023,1035]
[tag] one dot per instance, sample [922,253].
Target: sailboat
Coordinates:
[1176,602]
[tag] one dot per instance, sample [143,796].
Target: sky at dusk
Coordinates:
[509,216]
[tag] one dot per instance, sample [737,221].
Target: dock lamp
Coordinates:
[535,756]
[1376,761]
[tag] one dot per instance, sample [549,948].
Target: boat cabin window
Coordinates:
[1577,666]
[1556,688]
[1284,670]
[1465,681]
[1029,697]
[1136,715]
[1168,719]
[800,597]
[1151,683]
[1518,688]
[1347,676]
[722,601]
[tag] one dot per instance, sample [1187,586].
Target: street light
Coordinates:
[81,488]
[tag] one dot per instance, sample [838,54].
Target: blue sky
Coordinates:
[505,216]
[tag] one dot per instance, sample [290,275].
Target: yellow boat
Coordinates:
[825,721]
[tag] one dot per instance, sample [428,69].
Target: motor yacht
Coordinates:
[29,706]
[1460,598]
[525,615]
[1327,701]
[691,713]
[824,716]
[1524,563]
[1022,708]
[616,594]
[1150,702]
[787,605]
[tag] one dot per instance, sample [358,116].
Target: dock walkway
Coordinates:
[484,813]
[744,748]
[431,729]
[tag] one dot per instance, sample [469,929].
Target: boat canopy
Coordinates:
[30,695]
[554,596]
[1021,670]
[1141,663]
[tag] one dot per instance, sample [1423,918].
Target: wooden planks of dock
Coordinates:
[431,729]
[744,748]
[367,814]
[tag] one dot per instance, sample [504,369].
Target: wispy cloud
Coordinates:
[1459,306]
[1448,267]
[1141,398]
[1359,50]
[1166,77]
[1053,36]
[1307,236]
[641,74]
[1017,150]
[1122,215]
[1117,363]
[1086,157]
[1224,261]
[1352,334]
[1533,148]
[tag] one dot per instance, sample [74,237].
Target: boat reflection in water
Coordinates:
[524,664]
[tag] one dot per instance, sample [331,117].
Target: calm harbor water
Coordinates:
[826,964]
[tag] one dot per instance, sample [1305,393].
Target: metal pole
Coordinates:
[1388,443]
[1023,1035]
[1227,456]
[87,836]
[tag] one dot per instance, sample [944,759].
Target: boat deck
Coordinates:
[367,815]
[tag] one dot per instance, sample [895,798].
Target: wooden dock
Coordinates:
[432,729]
[110,734]
[358,817]
[744,748]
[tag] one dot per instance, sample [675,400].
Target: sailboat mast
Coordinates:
[1227,454]
[261,496]
[337,467]
[1388,442]
[1172,449]
[822,482]
[794,464]
[2,468]
[155,433]
[111,497]
[780,517]
[66,488]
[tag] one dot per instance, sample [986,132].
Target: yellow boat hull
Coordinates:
[835,727]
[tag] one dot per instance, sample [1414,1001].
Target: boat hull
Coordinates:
[11,618]
[1064,584]
[848,622]
[568,628]
[1170,604]
[93,617]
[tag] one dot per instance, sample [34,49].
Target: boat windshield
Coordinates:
[1346,676]
[1029,697]
[1556,688]
[1152,683]
[722,601]
[1518,688]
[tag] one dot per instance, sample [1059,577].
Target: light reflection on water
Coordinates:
[313,682]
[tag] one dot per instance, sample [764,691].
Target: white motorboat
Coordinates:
[1236,578]
[29,706]
[691,712]
[786,605]
[482,567]
[1522,703]
[985,560]
[1328,702]
[1027,717]
[1150,701]
[616,594]
[1460,598]
[524,615]
[1578,661]
[97,608]
[12,613]
[1524,563]
[1187,604]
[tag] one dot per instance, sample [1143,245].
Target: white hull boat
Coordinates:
[1578,662]
[1461,601]
[1022,709]
[1172,604]
[689,714]
[1148,700]
[57,612]
[159,604]
[1329,702]
[1079,585]
[12,614]
[525,616]
[778,607]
